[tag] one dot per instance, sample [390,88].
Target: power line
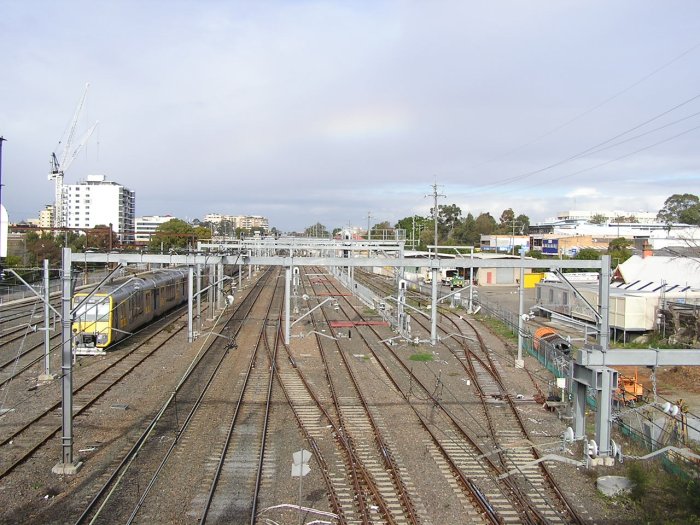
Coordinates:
[597,147]
[591,109]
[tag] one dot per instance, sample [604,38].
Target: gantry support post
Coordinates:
[199,297]
[66,466]
[433,305]
[47,375]
[190,291]
[519,362]
[287,293]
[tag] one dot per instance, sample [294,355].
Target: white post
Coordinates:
[287,289]
[433,314]
[519,363]
[47,375]
[190,334]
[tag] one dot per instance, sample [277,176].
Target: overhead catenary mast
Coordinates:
[59,165]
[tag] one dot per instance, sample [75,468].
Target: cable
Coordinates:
[593,149]
[593,108]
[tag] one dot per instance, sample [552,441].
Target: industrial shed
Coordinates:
[639,292]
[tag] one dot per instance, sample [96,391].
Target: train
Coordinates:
[119,308]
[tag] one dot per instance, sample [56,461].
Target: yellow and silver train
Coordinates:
[118,309]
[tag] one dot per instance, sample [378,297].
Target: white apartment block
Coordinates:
[147,225]
[239,221]
[98,201]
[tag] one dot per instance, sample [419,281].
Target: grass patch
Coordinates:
[421,357]
[497,326]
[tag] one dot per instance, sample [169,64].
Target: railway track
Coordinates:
[145,465]
[23,436]
[507,451]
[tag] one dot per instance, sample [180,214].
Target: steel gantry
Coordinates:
[591,367]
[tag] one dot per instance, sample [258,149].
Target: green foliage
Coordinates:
[172,235]
[44,246]
[202,233]
[535,254]
[675,205]
[316,230]
[587,254]
[524,222]
[507,222]
[640,479]
[691,215]
[619,250]
[485,224]
[598,218]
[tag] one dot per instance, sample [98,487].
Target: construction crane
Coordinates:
[60,164]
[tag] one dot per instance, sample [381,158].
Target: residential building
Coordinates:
[147,225]
[245,222]
[46,217]
[97,201]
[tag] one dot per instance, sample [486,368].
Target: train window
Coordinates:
[551,295]
[565,298]
[93,310]
[538,294]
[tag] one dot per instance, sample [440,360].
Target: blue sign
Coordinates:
[550,246]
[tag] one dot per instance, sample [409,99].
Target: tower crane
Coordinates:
[60,164]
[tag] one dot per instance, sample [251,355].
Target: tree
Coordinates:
[675,205]
[465,232]
[379,230]
[507,221]
[485,224]
[587,254]
[173,234]
[413,226]
[101,238]
[598,218]
[535,254]
[619,250]
[449,216]
[202,233]
[316,230]
[44,246]
[691,215]
[524,222]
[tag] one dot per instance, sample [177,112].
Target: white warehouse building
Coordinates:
[96,202]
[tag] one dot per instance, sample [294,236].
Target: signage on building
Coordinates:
[550,246]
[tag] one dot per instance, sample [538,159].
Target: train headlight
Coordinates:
[101,339]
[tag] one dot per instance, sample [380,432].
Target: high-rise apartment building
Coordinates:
[98,201]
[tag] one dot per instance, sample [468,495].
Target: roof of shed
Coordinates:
[682,271]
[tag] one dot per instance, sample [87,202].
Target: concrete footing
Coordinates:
[67,469]
[519,363]
[46,377]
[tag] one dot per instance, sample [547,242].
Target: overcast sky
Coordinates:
[306,111]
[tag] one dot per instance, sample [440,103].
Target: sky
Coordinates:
[321,111]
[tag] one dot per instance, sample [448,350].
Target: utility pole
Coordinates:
[435,196]
[369,216]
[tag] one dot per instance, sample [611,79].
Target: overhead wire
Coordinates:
[593,108]
[597,147]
